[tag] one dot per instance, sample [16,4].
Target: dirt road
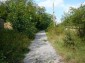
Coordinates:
[42,51]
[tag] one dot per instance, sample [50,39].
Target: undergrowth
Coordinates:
[68,44]
[13,46]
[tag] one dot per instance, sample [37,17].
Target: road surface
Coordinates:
[41,51]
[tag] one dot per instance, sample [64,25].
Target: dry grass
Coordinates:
[69,55]
[8,25]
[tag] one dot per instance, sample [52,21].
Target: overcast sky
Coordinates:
[61,6]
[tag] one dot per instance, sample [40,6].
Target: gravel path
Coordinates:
[42,51]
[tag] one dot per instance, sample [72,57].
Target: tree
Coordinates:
[44,19]
[76,18]
[26,16]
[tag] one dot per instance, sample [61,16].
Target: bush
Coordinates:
[59,29]
[71,39]
[20,18]
[12,46]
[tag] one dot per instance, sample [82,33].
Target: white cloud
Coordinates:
[66,7]
[2,0]
[83,3]
[59,4]
[49,3]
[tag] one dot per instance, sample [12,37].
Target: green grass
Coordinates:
[69,54]
[13,46]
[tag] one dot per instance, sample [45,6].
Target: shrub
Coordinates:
[71,39]
[12,46]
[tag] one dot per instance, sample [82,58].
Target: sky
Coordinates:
[60,6]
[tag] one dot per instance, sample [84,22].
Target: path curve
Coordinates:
[41,51]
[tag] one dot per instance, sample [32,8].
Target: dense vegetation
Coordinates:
[26,18]
[68,37]
[12,46]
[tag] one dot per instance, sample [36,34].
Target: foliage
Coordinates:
[21,17]
[43,20]
[3,11]
[71,39]
[68,44]
[12,46]
[68,37]
[76,19]
[59,29]
[25,16]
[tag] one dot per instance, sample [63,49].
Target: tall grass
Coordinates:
[13,45]
[68,44]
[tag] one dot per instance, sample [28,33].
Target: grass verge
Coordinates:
[70,54]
